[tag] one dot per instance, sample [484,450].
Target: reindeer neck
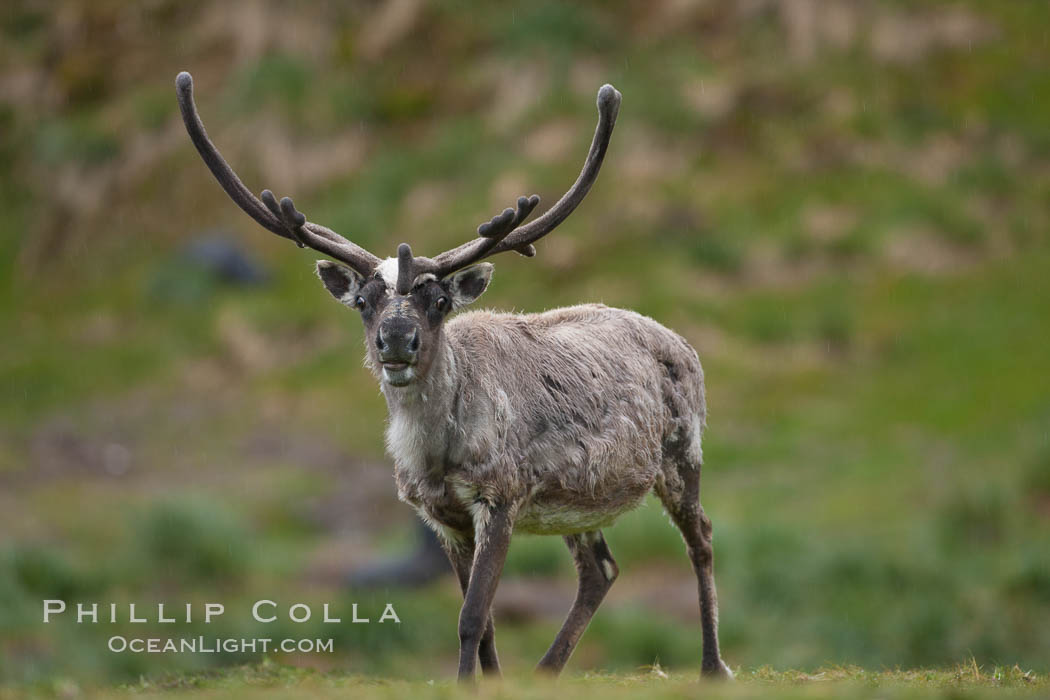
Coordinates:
[417,434]
[431,397]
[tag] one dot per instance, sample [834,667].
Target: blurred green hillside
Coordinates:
[844,206]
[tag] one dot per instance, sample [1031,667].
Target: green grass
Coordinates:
[269,679]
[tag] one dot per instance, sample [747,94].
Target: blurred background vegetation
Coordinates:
[842,205]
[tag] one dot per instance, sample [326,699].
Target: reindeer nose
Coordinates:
[398,341]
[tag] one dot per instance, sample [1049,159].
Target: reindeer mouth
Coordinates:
[398,373]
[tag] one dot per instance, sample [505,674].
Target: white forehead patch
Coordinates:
[387,270]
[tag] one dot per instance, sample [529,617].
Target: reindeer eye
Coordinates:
[359,302]
[441,304]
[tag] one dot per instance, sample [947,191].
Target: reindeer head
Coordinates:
[403,322]
[404,301]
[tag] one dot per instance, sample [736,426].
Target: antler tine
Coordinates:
[490,234]
[281,217]
[287,214]
[505,222]
[505,232]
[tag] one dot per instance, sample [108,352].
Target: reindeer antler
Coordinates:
[281,217]
[505,231]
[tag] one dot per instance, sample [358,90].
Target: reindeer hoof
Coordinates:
[719,672]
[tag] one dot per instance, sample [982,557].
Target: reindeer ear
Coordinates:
[468,284]
[341,282]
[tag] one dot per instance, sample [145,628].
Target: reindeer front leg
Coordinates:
[493,525]
[461,555]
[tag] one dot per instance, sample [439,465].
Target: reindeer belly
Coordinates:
[595,475]
[560,512]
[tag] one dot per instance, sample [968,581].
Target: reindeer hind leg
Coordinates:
[597,570]
[680,493]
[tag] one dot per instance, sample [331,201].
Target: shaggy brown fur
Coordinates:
[551,423]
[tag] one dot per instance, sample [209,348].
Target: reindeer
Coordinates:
[553,423]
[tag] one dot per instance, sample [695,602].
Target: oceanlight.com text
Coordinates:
[214,645]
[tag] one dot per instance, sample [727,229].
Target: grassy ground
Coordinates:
[845,212]
[272,680]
